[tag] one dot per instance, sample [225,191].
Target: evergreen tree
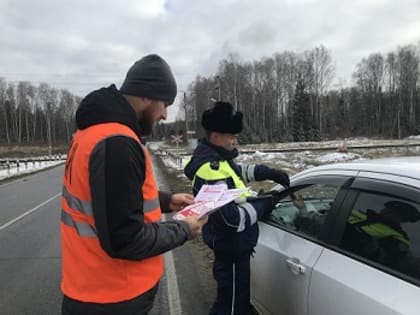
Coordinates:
[302,124]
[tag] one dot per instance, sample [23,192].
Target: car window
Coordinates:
[306,208]
[385,230]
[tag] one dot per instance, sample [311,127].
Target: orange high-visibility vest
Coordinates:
[89,273]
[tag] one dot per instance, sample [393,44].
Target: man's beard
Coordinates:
[146,123]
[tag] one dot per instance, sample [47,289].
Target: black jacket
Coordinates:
[232,231]
[117,173]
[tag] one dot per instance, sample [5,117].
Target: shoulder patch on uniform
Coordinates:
[214,165]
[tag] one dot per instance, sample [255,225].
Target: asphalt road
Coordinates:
[30,259]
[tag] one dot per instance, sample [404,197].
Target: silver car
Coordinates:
[344,240]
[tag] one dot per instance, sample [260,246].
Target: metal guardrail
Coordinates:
[176,156]
[8,163]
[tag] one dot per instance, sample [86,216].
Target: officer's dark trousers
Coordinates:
[233,287]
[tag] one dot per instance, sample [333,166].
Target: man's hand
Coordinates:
[180,201]
[195,224]
[299,203]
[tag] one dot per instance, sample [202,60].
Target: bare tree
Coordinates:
[318,74]
[24,96]
[408,73]
[67,108]
[11,108]
[3,108]
[369,77]
[48,96]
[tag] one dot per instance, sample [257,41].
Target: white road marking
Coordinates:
[173,291]
[28,212]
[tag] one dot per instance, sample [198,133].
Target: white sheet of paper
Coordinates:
[211,192]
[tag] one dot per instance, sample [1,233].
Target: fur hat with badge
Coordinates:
[222,118]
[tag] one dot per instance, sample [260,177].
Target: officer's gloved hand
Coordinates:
[280,177]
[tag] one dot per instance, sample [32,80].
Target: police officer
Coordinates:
[231,232]
[380,236]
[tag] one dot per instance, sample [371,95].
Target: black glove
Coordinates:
[280,177]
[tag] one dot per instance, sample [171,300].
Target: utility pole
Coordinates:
[219,88]
[186,117]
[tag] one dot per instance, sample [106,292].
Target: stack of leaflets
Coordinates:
[209,199]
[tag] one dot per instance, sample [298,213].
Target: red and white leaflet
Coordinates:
[198,209]
[209,200]
[211,192]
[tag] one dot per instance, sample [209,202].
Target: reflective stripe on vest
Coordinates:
[223,173]
[89,273]
[376,230]
[85,207]
[82,228]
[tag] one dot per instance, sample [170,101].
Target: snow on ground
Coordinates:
[338,157]
[27,168]
[294,162]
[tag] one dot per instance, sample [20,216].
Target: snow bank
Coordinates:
[27,168]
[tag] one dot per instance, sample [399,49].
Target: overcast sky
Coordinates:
[82,44]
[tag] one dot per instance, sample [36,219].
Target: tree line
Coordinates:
[35,114]
[288,97]
[285,97]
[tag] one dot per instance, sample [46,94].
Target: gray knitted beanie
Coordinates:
[150,77]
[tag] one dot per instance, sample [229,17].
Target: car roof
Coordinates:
[399,166]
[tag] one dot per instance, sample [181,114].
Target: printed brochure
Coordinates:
[209,199]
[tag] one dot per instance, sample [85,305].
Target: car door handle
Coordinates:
[295,267]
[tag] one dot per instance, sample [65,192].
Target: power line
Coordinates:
[61,74]
[89,74]
[67,82]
